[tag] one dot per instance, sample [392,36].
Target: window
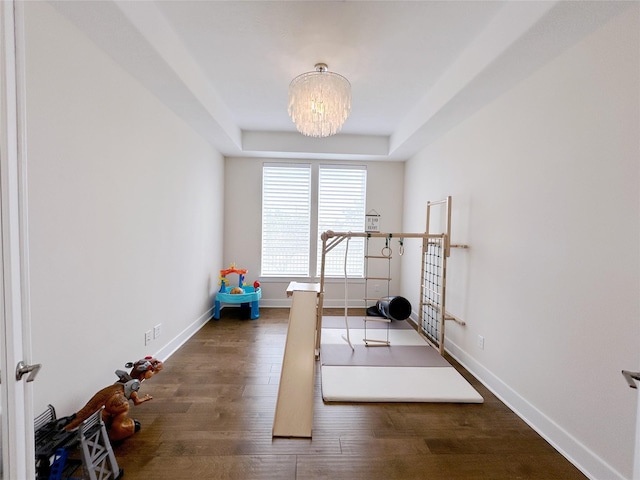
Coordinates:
[294,214]
[341,208]
[286,220]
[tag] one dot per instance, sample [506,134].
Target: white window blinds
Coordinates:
[286,219]
[341,207]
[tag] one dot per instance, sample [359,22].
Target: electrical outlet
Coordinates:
[480,342]
[147,337]
[157,330]
[376,288]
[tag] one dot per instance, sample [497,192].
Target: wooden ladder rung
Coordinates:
[375,343]
[376,319]
[432,305]
[430,290]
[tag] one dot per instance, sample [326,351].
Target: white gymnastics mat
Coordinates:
[396,384]
[409,370]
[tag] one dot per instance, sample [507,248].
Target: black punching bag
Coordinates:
[394,308]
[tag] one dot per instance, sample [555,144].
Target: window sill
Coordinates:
[309,280]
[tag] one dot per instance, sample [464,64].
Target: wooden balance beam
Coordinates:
[294,406]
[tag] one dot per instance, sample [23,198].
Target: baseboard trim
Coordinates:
[566,444]
[174,344]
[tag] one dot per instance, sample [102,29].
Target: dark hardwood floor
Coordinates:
[213,407]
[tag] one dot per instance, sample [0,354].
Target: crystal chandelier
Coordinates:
[319,102]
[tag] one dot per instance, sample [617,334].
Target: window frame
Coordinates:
[360,228]
[314,241]
[309,225]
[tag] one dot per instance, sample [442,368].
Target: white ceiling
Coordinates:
[416,68]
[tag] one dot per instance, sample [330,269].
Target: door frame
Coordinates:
[18,451]
[636,450]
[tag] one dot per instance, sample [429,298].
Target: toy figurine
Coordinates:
[115,400]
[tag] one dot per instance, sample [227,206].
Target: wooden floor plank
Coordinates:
[214,403]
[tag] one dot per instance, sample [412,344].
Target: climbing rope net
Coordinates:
[433,290]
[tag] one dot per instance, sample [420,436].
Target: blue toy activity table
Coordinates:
[245,295]
[250,297]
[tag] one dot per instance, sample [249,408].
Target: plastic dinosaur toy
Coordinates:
[115,400]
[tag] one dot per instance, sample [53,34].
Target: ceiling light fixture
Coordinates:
[319,102]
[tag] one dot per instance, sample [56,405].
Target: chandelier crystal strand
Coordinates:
[319,102]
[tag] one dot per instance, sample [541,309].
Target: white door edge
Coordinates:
[17,428]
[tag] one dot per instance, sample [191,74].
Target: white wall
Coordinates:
[125,215]
[243,217]
[126,218]
[545,186]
